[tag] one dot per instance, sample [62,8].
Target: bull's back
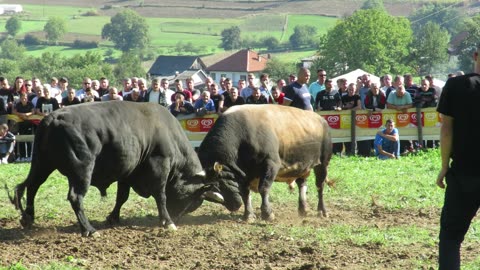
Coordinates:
[295,131]
[114,135]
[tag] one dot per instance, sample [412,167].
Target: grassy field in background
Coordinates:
[166,33]
[397,187]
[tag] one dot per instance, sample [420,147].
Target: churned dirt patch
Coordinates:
[212,238]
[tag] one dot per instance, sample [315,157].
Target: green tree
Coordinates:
[231,38]
[55,28]
[303,35]
[369,39]
[75,68]
[179,47]
[9,68]
[271,43]
[373,4]
[11,50]
[129,65]
[431,47]
[467,46]
[445,15]
[127,30]
[13,26]
[277,69]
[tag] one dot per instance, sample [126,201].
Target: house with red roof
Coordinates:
[238,65]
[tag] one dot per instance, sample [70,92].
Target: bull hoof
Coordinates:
[302,213]
[322,214]
[268,217]
[171,227]
[26,221]
[112,220]
[93,234]
[249,218]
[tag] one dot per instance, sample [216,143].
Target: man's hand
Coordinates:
[441,176]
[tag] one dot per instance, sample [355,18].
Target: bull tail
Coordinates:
[17,196]
[327,147]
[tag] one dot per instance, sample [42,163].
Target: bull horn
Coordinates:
[213,197]
[217,167]
[201,173]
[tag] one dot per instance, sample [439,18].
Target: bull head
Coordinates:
[228,185]
[186,196]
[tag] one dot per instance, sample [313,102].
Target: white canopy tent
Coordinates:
[438,82]
[352,77]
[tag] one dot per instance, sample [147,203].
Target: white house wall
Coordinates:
[234,76]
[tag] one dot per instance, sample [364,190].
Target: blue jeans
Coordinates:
[390,147]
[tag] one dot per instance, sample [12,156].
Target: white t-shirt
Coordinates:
[154,96]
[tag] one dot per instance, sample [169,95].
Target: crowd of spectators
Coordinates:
[27,96]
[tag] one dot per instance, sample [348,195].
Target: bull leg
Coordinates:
[302,196]
[320,177]
[123,191]
[76,195]
[32,184]
[248,215]
[161,200]
[264,186]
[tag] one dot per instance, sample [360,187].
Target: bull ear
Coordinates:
[217,167]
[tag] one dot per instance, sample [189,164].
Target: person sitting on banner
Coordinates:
[7,144]
[181,106]
[387,144]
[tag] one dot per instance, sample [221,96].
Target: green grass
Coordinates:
[322,23]
[46,11]
[165,33]
[404,184]
[293,56]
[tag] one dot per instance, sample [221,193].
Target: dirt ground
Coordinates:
[212,238]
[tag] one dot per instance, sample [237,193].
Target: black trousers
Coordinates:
[460,206]
[24,148]
[364,148]
[337,148]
